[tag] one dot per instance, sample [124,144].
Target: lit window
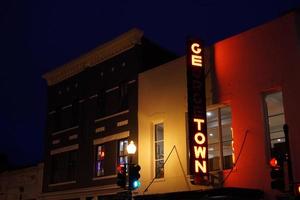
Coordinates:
[159,150]
[100,155]
[219,139]
[275,121]
[123,155]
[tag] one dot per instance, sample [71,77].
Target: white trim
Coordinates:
[132,81]
[64,149]
[122,123]
[61,183]
[112,89]
[73,137]
[93,96]
[104,177]
[113,115]
[64,130]
[109,138]
[52,112]
[68,106]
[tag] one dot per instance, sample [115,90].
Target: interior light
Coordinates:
[278,140]
[210,149]
[208,114]
[211,134]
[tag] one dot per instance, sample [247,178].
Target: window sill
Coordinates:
[104,177]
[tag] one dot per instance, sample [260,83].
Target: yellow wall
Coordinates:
[163,98]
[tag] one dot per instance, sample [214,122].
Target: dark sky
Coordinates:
[39,35]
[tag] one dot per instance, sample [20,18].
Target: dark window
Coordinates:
[159,150]
[123,86]
[75,112]
[101,103]
[58,119]
[64,167]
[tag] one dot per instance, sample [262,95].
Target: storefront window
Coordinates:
[159,150]
[100,160]
[123,155]
[275,120]
[220,153]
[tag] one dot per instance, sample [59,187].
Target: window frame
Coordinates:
[97,161]
[220,143]
[125,154]
[154,150]
[266,121]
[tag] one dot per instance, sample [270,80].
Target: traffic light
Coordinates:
[134,175]
[277,171]
[121,177]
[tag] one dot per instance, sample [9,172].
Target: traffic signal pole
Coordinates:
[289,160]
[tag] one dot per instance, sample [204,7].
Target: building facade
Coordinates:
[92,112]
[130,89]
[22,184]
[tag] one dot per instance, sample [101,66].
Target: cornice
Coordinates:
[99,54]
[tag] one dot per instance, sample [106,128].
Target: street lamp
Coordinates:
[131,148]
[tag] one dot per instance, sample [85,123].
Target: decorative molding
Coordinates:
[68,106]
[106,51]
[61,183]
[64,149]
[104,177]
[122,123]
[73,137]
[55,141]
[100,129]
[112,89]
[109,138]
[111,116]
[64,130]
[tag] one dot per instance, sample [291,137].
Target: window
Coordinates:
[159,150]
[64,166]
[122,153]
[275,121]
[220,153]
[100,158]
[123,95]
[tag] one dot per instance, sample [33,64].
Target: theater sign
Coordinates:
[197,112]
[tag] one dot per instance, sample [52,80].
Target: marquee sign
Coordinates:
[197,112]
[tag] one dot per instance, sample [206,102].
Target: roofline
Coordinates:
[101,53]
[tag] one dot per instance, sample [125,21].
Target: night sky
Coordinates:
[39,35]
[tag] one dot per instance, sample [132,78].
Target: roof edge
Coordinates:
[99,54]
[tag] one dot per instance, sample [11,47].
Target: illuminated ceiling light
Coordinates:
[278,140]
[211,149]
[211,134]
[208,114]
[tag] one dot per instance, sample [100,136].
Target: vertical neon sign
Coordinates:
[197,112]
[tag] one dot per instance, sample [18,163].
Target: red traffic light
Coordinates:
[274,162]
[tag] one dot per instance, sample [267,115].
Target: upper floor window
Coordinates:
[274,117]
[159,150]
[220,140]
[100,158]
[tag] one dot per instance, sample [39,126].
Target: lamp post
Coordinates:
[131,149]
